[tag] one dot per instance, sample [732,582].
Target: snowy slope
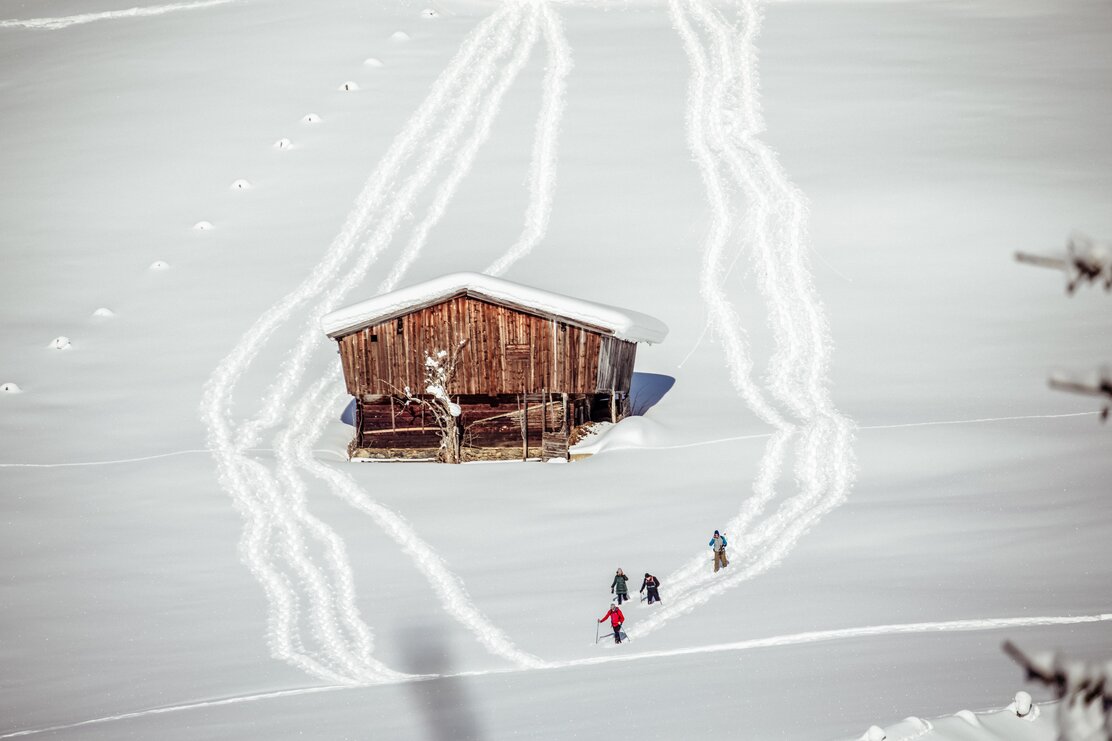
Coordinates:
[180,533]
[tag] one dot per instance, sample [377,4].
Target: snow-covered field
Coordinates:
[859,365]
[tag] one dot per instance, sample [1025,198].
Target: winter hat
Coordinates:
[716,532]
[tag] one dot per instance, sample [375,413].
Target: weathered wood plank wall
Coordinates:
[508,351]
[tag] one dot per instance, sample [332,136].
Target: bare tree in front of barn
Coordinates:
[440,370]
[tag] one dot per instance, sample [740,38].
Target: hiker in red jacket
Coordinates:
[616,621]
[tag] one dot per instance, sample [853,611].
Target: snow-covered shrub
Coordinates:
[1022,704]
[283,143]
[60,343]
[372,62]
[399,36]
[440,370]
[203,226]
[104,313]
[312,118]
[349,87]
[430,13]
[10,388]
[160,265]
[241,184]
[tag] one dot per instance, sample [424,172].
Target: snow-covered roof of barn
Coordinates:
[622,323]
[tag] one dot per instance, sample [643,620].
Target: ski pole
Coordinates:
[596,632]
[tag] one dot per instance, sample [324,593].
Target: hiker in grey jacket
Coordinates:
[618,587]
[718,545]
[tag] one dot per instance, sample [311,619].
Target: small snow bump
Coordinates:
[349,86]
[430,13]
[159,265]
[283,143]
[203,226]
[11,388]
[60,343]
[875,733]
[372,62]
[312,118]
[241,184]
[968,717]
[104,313]
[399,36]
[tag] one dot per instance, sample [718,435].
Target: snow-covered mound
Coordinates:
[1037,724]
[631,433]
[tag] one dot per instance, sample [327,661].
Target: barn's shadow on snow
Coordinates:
[646,389]
[443,702]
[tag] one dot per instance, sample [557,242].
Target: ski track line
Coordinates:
[449,587]
[274,536]
[793,639]
[465,158]
[542,177]
[317,407]
[825,472]
[781,319]
[690,575]
[379,190]
[454,598]
[290,499]
[54,24]
[721,314]
[680,446]
[248,490]
[294,367]
[397,213]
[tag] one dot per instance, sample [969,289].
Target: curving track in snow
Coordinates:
[314,621]
[793,639]
[724,125]
[55,24]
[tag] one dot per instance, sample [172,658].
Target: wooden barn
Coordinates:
[533,369]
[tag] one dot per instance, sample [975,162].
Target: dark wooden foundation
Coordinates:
[495,427]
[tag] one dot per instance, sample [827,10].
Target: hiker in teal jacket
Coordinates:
[718,544]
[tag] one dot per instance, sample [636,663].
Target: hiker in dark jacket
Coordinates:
[616,621]
[618,586]
[651,583]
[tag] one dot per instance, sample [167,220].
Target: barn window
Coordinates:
[563,326]
[399,325]
[374,337]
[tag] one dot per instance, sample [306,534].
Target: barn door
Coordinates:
[518,359]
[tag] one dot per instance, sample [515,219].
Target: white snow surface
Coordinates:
[622,323]
[820,198]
